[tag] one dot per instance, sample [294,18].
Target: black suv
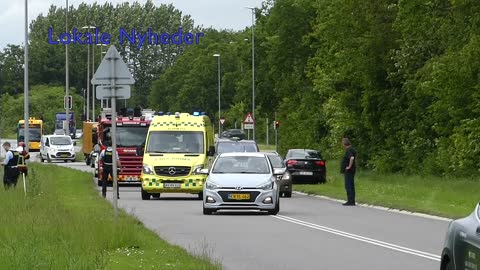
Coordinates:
[306,166]
[231,133]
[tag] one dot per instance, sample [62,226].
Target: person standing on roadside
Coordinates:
[10,176]
[106,156]
[23,155]
[348,167]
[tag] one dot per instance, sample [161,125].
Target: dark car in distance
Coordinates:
[284,181]
[306,166]
[235,145]
[237,133]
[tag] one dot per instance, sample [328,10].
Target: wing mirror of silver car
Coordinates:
[279,171]
[202,171]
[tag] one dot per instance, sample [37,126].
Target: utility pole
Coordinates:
[26,115]
[267,129]
[67,86]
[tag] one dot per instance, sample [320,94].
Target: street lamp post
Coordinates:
[219,85]
[253,67]
[67,86]
[26,115]
[88,73]
[101,55]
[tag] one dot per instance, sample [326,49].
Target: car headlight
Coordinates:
[197,167]
[147,169]
[286,176]
[211,185]
[72,150]
[266,186]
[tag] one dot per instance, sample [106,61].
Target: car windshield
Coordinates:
[175,142]
[304,154]
[230,147]
[60,141]
[241,164]
[34,134]
[276,161]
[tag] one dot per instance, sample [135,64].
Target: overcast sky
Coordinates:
[221,14]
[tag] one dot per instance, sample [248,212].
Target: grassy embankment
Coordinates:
[426,194]
[62,223]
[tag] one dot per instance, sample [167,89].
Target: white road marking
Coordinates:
[361,238]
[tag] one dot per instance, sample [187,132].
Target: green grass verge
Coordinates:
[446,197]
[62,223]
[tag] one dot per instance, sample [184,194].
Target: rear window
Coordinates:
[304,154]
[230,147]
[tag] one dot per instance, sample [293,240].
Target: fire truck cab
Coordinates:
[131,134]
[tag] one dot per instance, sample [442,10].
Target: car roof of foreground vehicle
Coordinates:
[233,140]
[57,136]
[302,150]
[242,154]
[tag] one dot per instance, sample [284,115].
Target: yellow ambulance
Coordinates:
[177,147]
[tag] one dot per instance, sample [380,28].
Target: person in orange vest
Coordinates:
[23,155]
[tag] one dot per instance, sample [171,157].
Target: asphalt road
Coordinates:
[308,233]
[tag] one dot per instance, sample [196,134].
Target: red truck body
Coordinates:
[131,134]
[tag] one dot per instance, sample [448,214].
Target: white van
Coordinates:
[57,147]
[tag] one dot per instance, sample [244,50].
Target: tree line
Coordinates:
[400,78]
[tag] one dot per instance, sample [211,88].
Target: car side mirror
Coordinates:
[203,171]
[140,151]
[279,171]
[211,151]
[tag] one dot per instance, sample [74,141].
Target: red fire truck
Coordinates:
[131,134]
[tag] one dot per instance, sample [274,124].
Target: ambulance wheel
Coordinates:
[145,195]
[41,158]
[200,196]
[156,195]
[99,182]
[88,160]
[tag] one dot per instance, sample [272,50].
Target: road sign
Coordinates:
[67,102]
[249,119]
[121,92]
[248,126]
[104,75]
[249,122]
[222,120]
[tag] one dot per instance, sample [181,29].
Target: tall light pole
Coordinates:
[253,68]
[88,73]
[101,57]
[67,90]
[219,79]
[26,115]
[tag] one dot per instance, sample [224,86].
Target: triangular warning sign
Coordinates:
[104,75]
[249,119]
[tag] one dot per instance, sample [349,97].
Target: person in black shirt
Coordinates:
[348,168]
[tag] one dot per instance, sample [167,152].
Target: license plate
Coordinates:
[64,155]
[172,185]
[239,196]
[306,173]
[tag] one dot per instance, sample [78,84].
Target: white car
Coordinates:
[240,181]
[57,147]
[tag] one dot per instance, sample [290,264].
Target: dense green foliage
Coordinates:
[45,101]
[399,77]
[63,223]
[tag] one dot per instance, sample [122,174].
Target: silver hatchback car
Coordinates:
[241,181]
